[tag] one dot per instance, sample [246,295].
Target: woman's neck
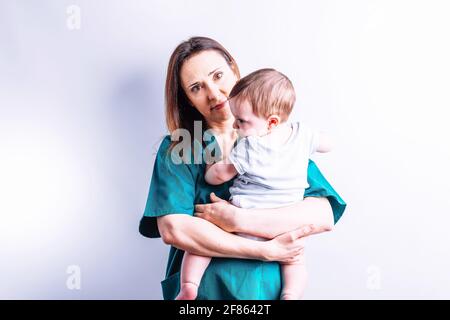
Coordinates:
[222,128]
[225,135]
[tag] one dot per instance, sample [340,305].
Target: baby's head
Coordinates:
[261,101]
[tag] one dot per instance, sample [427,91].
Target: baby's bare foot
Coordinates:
[290,296]
[188,291]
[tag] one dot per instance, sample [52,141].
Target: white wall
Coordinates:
[81,112]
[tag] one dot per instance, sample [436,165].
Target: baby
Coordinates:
[271,161]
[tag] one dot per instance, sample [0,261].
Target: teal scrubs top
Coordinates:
[175,189]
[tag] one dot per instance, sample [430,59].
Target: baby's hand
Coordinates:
[325,143]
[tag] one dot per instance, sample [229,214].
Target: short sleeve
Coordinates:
[172,190]
[320,187]
[239,156]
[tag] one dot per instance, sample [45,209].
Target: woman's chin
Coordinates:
[223,114]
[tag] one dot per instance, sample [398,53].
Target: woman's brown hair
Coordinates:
[179,111]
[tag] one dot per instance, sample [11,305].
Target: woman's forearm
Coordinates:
[268,223]
[203,238]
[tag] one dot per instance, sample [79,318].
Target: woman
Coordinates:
[200,76]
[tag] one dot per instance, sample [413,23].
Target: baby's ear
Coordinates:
[273,121]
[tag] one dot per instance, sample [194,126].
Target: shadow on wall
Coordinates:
[135,107]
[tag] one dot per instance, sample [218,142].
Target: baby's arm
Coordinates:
[325,144]
[220,172]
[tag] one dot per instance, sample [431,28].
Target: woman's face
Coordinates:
[207,80]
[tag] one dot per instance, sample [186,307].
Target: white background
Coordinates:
[81,117]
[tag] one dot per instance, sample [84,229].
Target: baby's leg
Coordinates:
[294,281]
[192,270]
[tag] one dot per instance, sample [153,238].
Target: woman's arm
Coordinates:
[201,237]
[268,223]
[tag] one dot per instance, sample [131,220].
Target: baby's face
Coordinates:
[245,121]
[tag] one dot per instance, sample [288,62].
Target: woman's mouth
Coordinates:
[219,106]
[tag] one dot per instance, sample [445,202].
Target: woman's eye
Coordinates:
[219,75]
[195,89]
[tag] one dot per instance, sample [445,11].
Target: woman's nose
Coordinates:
[213,93]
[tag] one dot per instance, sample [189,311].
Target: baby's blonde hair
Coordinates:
[268,91]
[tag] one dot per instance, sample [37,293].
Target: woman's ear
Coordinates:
[273,121]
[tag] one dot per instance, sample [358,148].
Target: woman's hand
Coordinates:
[288,247]
[219,212]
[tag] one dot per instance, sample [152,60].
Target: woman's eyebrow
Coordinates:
[191,85]
[213,71]
[208,76]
